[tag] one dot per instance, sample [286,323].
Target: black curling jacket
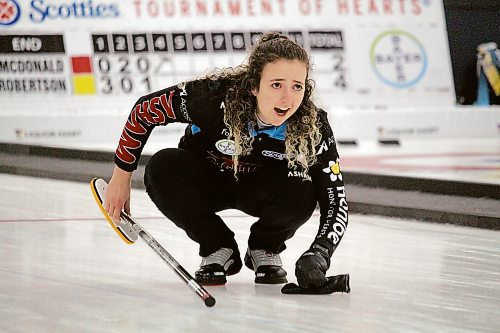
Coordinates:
[200,104]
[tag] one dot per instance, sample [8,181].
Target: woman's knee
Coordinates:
[164,166]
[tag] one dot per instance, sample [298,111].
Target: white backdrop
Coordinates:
[71,70]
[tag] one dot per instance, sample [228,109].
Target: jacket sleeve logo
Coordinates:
[334,170]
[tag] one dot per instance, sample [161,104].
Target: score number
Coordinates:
[123,73]
[121,63]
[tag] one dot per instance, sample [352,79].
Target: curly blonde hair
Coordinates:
[302,132]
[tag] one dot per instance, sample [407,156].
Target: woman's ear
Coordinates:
[255,91]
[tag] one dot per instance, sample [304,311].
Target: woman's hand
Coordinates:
[311,268]
[118,194]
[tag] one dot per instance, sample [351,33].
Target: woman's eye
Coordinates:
[276,85]
[298,87]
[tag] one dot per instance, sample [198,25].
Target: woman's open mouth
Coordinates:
[281,112]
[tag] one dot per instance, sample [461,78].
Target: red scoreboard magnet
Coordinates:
[81,65]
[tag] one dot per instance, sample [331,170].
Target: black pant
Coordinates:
[189,191]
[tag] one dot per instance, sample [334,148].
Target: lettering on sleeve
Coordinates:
[125,145]
[167,104]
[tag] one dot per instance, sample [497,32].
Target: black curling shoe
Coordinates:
[215,267]
[267,266]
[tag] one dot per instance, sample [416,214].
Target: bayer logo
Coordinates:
[9,12]
[398,58]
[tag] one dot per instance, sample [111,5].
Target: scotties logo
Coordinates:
[10,11]
[398,59]
[40,11]
[43,10]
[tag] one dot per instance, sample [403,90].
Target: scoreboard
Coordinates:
[138,63]
[96,58]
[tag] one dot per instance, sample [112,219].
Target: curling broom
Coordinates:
[129,230]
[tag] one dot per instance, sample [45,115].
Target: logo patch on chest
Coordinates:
[226,146]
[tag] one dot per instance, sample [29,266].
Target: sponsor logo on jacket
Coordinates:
[299,174]
[153,111]
[226,146]
[325,145]
[336,219]
[273,154]
[333,170]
